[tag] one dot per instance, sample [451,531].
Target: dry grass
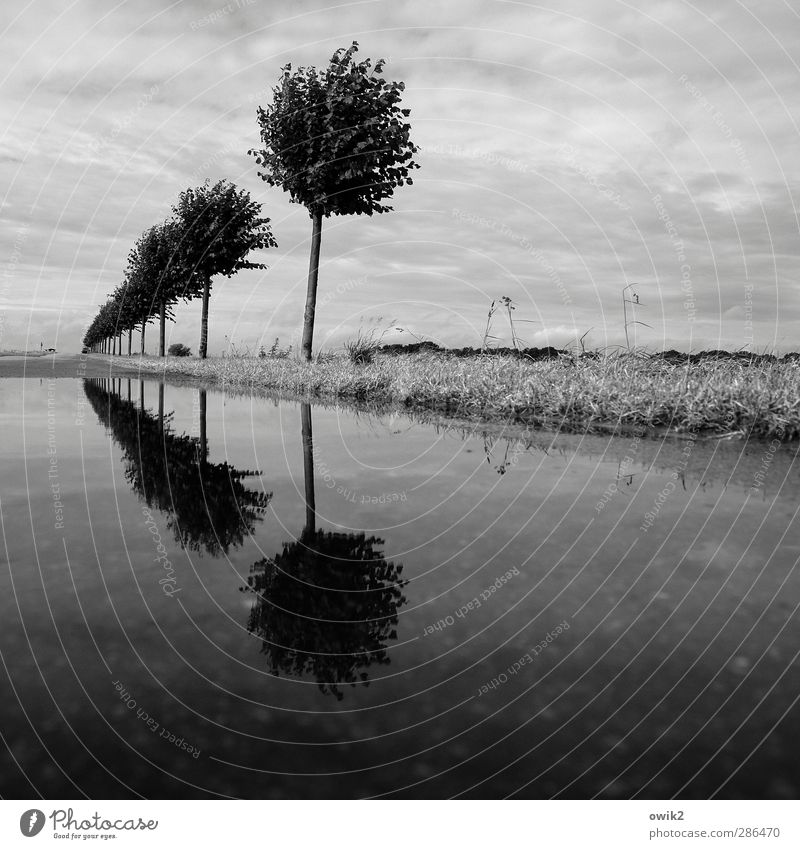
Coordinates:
[718,397]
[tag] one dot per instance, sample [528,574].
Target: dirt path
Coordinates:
[68,365]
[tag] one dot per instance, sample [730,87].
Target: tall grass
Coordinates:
[574,393]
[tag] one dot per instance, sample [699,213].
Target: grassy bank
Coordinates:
[631,390]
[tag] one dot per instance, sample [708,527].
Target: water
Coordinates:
[205,594]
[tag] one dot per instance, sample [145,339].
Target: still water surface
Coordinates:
[213,595]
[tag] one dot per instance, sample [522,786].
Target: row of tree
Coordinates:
[335,139]
[211,232]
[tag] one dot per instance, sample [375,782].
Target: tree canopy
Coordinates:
[337,139]
[213,230]
[219,225]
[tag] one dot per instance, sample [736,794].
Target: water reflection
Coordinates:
[207,505]
[327,603]
[681,590]
[325,606]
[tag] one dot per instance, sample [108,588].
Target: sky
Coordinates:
[567,150]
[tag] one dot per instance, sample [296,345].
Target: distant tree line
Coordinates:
[335,139]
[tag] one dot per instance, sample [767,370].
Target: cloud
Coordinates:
[550,132]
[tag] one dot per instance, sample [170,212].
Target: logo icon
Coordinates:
[31,822]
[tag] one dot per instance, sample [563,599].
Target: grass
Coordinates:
[598,392]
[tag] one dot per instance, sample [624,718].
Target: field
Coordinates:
[715,396]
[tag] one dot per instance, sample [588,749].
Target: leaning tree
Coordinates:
[219,226]
[338,142]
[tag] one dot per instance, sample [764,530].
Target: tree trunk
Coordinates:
[144,324]
[311,294]
[163,331]
[130,341]
[161,406]
[203,437]
[204,319]
[308,467]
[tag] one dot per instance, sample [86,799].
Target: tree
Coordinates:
[327,605]
[337,141]
[157,276]
[208,506]
[104,325]
[219,226]
[178,349]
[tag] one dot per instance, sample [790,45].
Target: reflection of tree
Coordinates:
[208,508]
[327,604]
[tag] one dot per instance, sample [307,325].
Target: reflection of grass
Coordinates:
[720,396]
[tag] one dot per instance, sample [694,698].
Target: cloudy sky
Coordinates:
[567,150]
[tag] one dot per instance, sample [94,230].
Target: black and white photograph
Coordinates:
[400,401]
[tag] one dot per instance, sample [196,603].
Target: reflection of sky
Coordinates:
[109,113]
[681,629]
